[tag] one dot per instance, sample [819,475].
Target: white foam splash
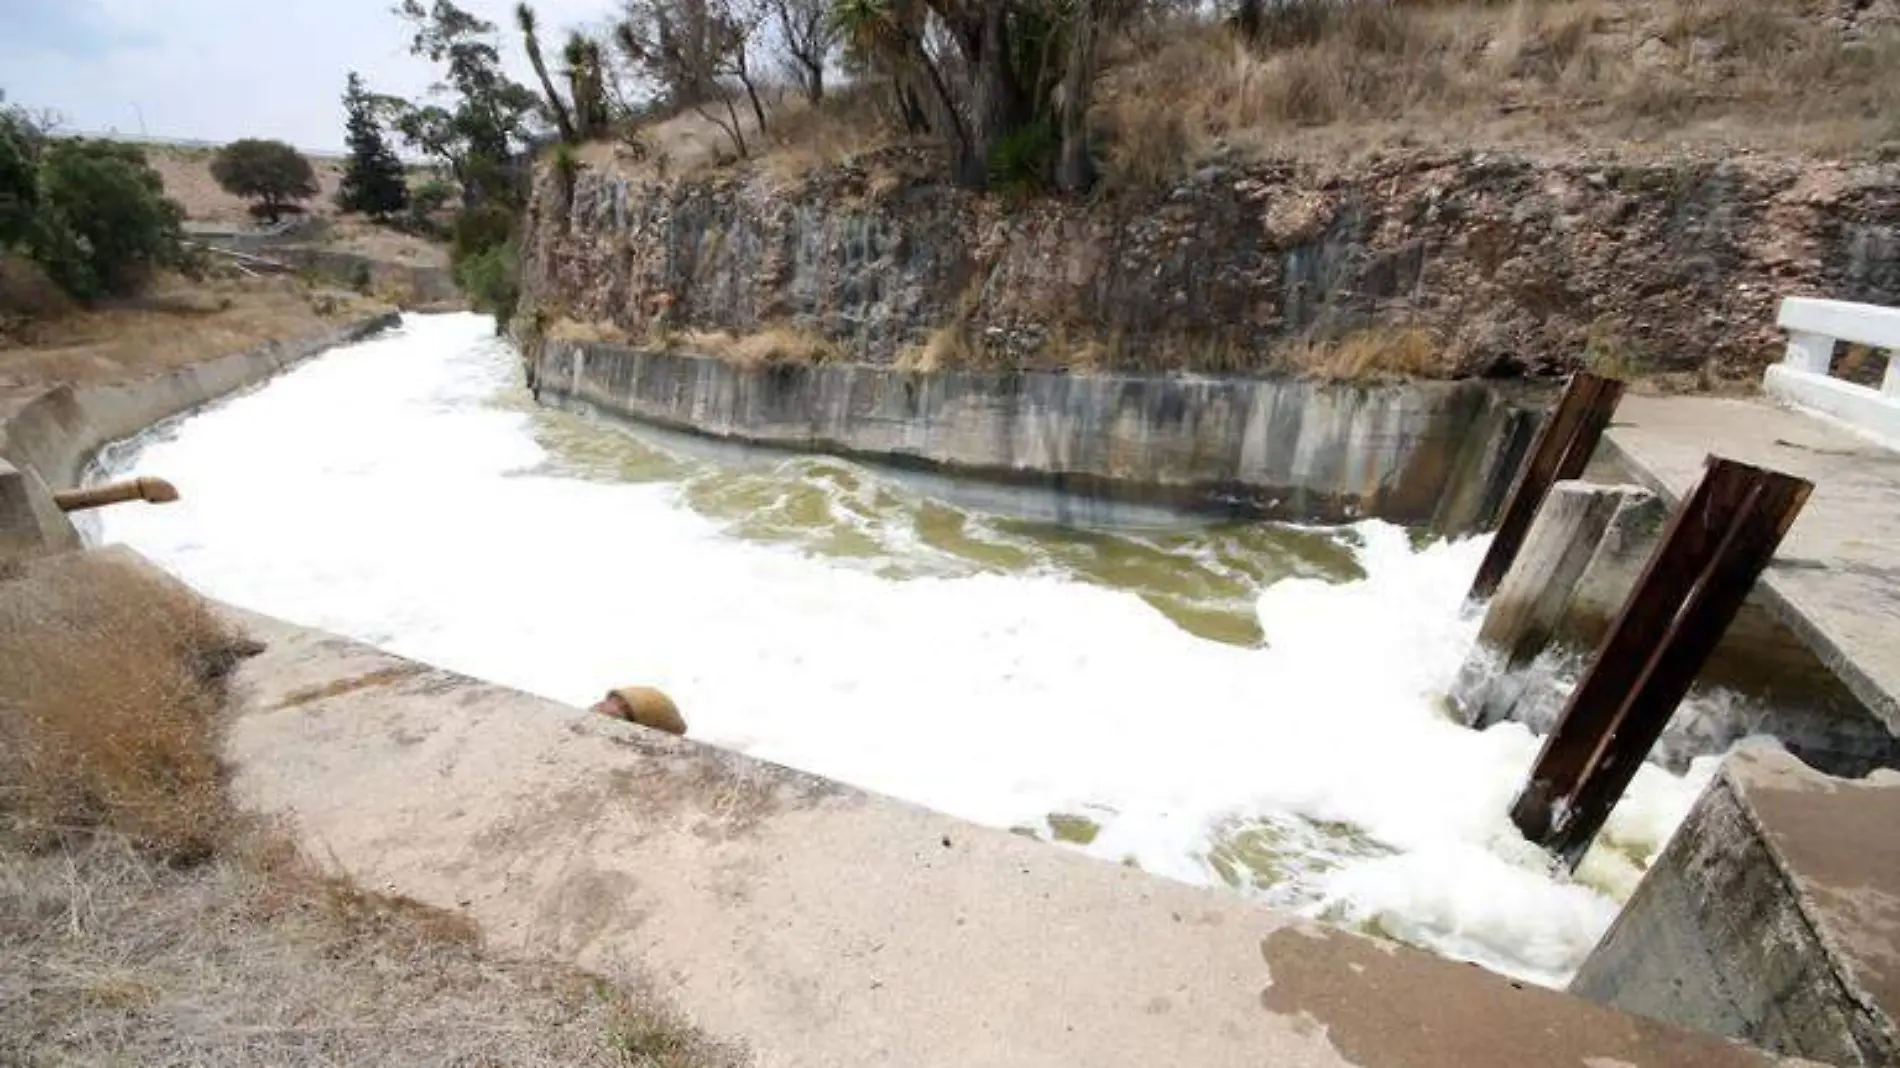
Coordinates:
[378,492]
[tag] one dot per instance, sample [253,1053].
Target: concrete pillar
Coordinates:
[30,523]
[1576,550]
[1563,539]
[1813,353]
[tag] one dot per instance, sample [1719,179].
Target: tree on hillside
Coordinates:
[480,129]
[531,42]
[272,173]
[685,48]
[373,183]
[587,85]
[675,46]
[1005,85]
[807,35]
[484,121]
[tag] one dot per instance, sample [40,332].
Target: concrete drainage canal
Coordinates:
[1254,704]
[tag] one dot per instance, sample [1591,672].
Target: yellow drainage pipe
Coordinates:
[151,490]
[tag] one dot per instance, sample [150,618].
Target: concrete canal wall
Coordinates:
[47,440]
[1429,453]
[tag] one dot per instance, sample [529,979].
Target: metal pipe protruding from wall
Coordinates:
[150,490]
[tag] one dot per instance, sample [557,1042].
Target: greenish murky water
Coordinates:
[1204,577]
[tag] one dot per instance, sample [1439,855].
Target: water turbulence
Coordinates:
[1257,705]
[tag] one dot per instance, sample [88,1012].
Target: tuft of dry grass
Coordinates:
[1371,355]
[769,346]
[108,706]
[846,124]
[567,329]
[255,958]
[949,347]
[27,296]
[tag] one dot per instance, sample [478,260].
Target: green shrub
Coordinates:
[479,229]
[425,202]
[19,176]
[103,222]
[486,256]
[491,278]
[1023,159]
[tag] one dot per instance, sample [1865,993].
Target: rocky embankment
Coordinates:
[1507,265]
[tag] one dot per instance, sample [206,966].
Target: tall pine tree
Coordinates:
[374,183]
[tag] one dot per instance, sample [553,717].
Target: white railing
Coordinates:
[1802,377]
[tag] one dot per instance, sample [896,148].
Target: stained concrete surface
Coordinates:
[1836,580]
[1437,453]
[1772,917]
[825,926]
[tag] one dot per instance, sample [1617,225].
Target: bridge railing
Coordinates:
[1804,376]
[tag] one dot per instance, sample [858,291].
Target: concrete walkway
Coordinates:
[824,926]
[1836,581]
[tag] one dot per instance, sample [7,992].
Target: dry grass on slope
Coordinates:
[1332,78]
[1768,75]
[108,708]
[143,922]
[177,323]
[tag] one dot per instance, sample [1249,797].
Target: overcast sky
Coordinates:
[217,70]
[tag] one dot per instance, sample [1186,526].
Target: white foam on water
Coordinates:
[379,492]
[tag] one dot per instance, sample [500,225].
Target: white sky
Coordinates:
[218,70]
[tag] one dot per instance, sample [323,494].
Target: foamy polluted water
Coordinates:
[1255,705]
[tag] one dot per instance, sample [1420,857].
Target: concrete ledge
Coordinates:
[825,926]
[418,285]
[1440,453]
[1866,411]
[1828,584]
[1770,917]
[1846,320]
[51,438]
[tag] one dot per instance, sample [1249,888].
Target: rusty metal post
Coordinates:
[1561,451]
[1713,549]
[152,490]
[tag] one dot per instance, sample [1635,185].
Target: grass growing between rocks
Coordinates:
[144,921]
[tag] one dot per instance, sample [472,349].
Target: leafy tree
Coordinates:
[20,141]
[104,222]
[374,183]
[270,172]
[484,120]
